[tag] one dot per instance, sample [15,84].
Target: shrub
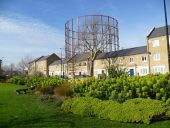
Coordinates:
[19,80]
[63,90]
[44,84]
[134,110]
[46,90]
[142,110]
[116,71]
[123,88]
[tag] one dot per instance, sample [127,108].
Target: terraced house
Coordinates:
[150,59]
[41,64]
[158,49]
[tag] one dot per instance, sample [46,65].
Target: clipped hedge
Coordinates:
[133,110]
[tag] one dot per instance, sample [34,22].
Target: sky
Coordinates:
[36,27]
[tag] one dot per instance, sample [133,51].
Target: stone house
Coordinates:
[41,64]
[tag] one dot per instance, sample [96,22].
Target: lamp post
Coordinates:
[167,33]
[61,64]
[0,66]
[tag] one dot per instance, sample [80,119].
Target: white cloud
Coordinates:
[21,36]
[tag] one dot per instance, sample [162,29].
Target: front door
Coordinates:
[132,72]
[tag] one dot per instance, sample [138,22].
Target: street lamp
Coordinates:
[167,33]
[61,63]
[1,65]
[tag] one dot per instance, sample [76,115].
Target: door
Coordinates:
[132,72]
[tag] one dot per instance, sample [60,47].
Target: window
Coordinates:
[79,73]
[155,43]
[120,61]
[131,60]
[103,62]
[85,64]
[159,69]
[143,71]
[144,59]
[156,57]
[112,61]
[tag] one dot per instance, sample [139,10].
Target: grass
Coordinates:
[27,111]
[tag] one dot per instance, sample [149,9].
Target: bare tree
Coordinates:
[10,69]
[23,63]
[95,39]
[91,34]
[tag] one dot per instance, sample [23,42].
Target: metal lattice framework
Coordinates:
[98,31]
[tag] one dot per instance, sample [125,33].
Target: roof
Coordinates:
[156,32]
[58,62]
[41,58]
[45,57]
[124,52]
[80,57]
[36,59]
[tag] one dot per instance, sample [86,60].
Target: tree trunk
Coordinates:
[92,68]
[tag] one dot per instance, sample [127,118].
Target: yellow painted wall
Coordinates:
[162,50]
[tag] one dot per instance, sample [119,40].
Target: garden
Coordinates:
[122,101]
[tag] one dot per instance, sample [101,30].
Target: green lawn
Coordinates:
[27,111]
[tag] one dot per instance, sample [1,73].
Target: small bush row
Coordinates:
[133,110]
[36,81]
[19,80]
[44,84]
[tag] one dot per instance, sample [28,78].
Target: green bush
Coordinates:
[44,84]
[116,71]
[19,80]
[122,88]
[134,110]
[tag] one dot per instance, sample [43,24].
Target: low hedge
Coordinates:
[19,80]
[133,110]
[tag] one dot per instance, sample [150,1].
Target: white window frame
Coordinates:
[145,59]
[111,61]
[121,61]
[159,69]
[143,71]
[155,43]
[103,62]
[156,57]
[130,60]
